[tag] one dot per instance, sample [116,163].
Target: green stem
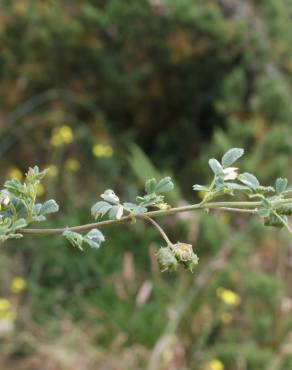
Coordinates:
[161,231]
[244,207]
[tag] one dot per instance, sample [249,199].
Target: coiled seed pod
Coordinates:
[166,259]
[286,209]
[183,251]
[192,262]
[274,221]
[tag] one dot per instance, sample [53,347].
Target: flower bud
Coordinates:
[166,259]
[4,199]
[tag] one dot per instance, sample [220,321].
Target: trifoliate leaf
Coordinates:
[231,156]
[94,238]
[50,206]
[134,208]
[100,209]
[281,185]
[74,238]
[164,185]
[110,196]
[249,180]
[215,166]
[150,186]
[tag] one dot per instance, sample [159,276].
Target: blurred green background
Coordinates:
[106,93]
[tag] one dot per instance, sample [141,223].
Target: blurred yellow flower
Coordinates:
[6,312]
[225,218]
[101,150]
[226,318]
[4,304]
[7,315]
[72,164]
[228,296]
[215,365]
[52,170]
[15,173]
[18,284]
[40,190]
[62,135]
[201,194]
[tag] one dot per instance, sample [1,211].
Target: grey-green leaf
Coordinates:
[100,209]
[200,188]
[231,156]
[110,196]
[116,212]
[135,208]
[164,185]
[281,185]
[74,238]
[215,166]
[264,212]
[249,180]
[94,238]
[150,186]
[19,224]
[50,206]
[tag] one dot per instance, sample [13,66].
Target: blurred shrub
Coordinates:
[185,80]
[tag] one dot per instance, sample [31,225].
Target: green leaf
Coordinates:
[134,208]
[249,180]
[94,238]
[19,224]
[164,185]
[200,188]
[50,206]
[15,187]
[150,200]
[215,166]
[219,182]
[281,185]
[150,186]
[235,186]
[100,209]
[264,212]
[74,238]
[231,156]
[34,175]
[110,196]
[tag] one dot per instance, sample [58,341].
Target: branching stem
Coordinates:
[161,231]
[244,207]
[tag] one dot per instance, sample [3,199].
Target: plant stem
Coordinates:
[159,228]
[244,207]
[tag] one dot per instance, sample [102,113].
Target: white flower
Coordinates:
[230,173]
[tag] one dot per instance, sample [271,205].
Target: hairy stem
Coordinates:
[161,231]
[244,207]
